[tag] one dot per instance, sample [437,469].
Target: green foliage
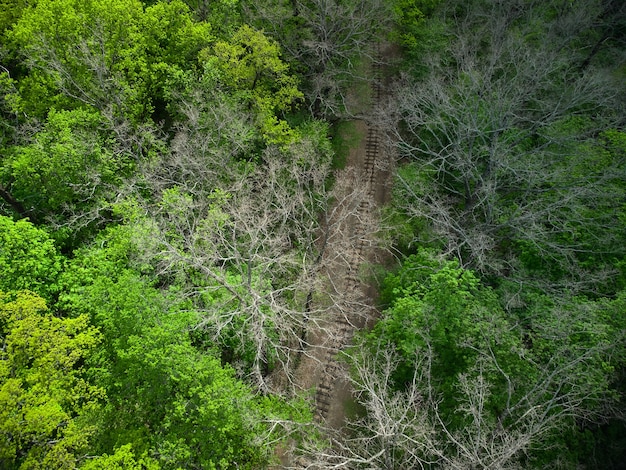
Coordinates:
[45,403]
[563,357]
[67,168]
[345,137]
[251,66]
[165,397]
[410,229]
[223,15]
[420,33]
[589,176]
[410,17]
[122,459]
[28,258]
[8,119]
[436,304]
[10,11]
[103,53]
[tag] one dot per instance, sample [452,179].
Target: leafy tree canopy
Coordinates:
[45,401]
[103,53]
[250,65]
[66,168]
[166,397]
[483,373]
[28,258]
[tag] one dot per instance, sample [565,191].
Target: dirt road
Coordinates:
[361,188]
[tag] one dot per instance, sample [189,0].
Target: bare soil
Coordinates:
[361,189]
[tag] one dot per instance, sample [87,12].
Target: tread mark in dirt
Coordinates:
[324,393]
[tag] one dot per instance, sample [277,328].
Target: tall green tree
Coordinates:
[46,403]
[449,379]
[250,66]
[66,172]
[107,54]
[166,397]
[28,259]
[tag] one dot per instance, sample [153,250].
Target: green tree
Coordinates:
[223,15]
[109,54]
[436,304]
[67,170]
[467,385]
[122,459]
[251,66]
[28,258]
[165,396]
[10,11]
[8,128]
[45,401]
[410,17]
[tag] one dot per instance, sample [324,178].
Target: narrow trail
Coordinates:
[361,188]
[362,181]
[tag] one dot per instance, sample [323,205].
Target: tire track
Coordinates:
[349,243]
[343,327]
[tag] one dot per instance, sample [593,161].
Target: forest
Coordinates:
[168,170]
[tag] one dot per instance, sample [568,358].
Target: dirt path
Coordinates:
[360,190]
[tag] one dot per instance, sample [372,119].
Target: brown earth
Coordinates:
[352,246]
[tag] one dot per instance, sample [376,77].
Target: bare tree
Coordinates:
[327,40]
[407,428]
[395,431]
[243,227]
[488,133]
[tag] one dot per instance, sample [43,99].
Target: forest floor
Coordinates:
[352,248]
